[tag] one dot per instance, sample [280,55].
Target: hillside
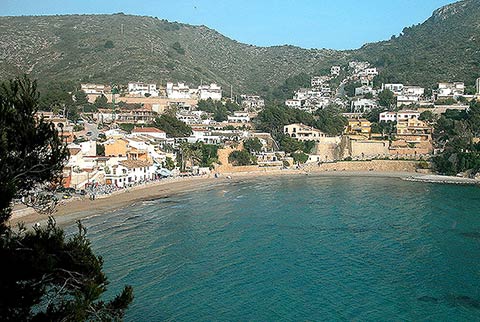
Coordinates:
[446,47]
[121,48]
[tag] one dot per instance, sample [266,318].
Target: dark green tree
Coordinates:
[101,102]
[330,121]
[252,145]
[172,126]
[241,158]
[290,145]
[169,164]
[81,98]
[100,149]
[386,98]
[300,157]
[427,116]
[45,276]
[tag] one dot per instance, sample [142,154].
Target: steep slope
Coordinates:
[121,48]
[446,47]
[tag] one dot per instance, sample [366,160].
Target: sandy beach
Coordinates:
[71,210]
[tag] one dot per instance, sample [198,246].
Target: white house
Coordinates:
[454,90]
[89,148]
[363,105]
[413,90]
[364,90]
[95,89]
[151,131]
[398,116]
[239,117]
[129,172]
[407,114]
[178,91]
[395,88]
[205,136]
[252,102]
[212,91]
[371,71]
[302,132]
[295,103]
[335,70]
[388,117]
[407,100]
[142,89]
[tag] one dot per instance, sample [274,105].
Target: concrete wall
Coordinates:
[368,149]
[374,165]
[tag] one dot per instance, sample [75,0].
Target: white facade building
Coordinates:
[252,102]
[364,90]
[454,90]
[398,116]
[212,91]
[142,89]
[95,89]
[335,70]
[128,172]
[363,105]
[388,117]
[205,136]
[178,91]
[295,103]
[239,117]
[395,88]
[371,71]
[302,132]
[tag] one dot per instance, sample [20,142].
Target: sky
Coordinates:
[332,24]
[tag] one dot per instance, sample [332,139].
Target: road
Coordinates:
[91,127]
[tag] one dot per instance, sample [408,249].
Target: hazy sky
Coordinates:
[335,24]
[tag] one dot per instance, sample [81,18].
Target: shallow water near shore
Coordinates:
[298,248]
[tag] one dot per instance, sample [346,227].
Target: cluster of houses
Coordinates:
[143,154]
[171,90]
[319,95]
[412,139]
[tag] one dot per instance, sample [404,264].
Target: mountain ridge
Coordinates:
[121,48]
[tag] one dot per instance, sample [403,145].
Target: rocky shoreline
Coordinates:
[442,179]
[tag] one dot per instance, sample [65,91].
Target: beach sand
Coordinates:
[71,210]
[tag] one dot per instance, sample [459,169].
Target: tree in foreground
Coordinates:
[45,276]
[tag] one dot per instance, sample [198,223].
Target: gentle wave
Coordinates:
[298,248]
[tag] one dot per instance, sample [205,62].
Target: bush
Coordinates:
[423,165]
[241,158]
[300,157]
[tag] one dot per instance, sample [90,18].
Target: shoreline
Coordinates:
[81,208]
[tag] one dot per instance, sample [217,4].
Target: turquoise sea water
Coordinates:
[298,248]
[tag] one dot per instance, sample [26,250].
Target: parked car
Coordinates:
[89,133]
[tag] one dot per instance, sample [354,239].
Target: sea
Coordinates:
[297,248]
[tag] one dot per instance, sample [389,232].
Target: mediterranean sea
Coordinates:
[298,248]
